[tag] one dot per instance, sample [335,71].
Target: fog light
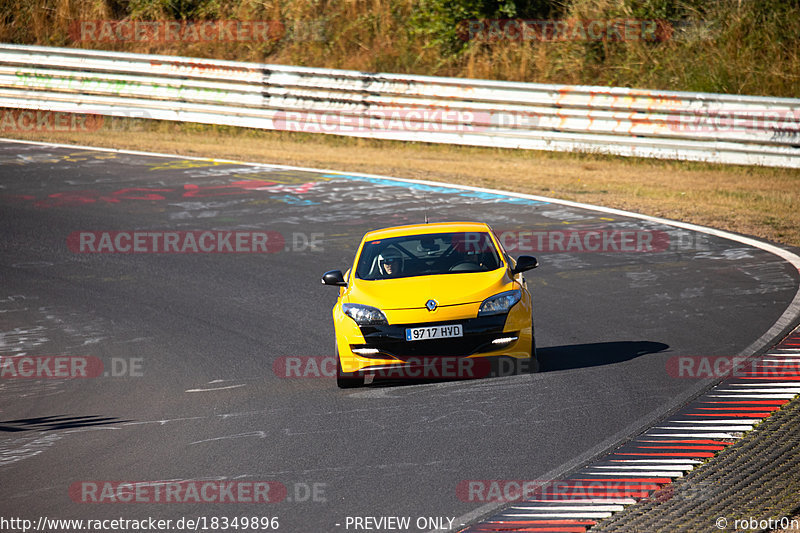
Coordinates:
[366,351]
[504,340]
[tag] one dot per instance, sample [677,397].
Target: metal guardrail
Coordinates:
[663,124]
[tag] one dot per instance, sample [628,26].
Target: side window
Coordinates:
[502,250]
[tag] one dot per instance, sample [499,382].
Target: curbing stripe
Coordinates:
[695,444]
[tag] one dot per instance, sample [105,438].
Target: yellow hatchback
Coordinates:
[432,301]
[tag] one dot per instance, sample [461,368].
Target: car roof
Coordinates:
[421,229]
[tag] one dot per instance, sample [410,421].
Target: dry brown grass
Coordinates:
[763,202]
[725,46]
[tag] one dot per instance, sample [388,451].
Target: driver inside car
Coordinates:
[390,262]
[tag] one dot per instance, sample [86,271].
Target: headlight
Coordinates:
[364,315]
[499,303]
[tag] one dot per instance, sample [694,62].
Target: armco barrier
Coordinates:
[663,124]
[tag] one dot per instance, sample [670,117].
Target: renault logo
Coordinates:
[431,305]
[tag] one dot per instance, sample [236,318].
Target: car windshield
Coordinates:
[426,255]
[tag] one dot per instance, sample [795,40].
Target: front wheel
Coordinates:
[346,380]
[534,365]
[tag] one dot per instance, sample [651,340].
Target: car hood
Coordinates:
[413,292]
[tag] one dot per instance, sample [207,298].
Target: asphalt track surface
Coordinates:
[205,330]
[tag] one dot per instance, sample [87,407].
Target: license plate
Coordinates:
[434,332]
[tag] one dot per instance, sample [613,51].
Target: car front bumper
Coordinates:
[384,347]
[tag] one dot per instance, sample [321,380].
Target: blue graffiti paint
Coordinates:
[294,200]
[439,189]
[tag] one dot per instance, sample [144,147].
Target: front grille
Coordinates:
[478,336]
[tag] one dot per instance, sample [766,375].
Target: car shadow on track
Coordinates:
[552,358]
[594,354]
[51,423]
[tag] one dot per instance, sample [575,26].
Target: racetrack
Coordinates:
[205,331]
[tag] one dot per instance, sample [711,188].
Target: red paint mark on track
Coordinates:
[732,415]
[754,408]
[694,441]
[656,480]
[533,525]
[189,190]
[671,454]
[758,402]
[682,447]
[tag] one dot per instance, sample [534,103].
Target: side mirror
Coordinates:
[524,263]
[335,278]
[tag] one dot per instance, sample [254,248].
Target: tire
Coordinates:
[346,380]
[534,366]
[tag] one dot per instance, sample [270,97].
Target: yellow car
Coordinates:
[431,301]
